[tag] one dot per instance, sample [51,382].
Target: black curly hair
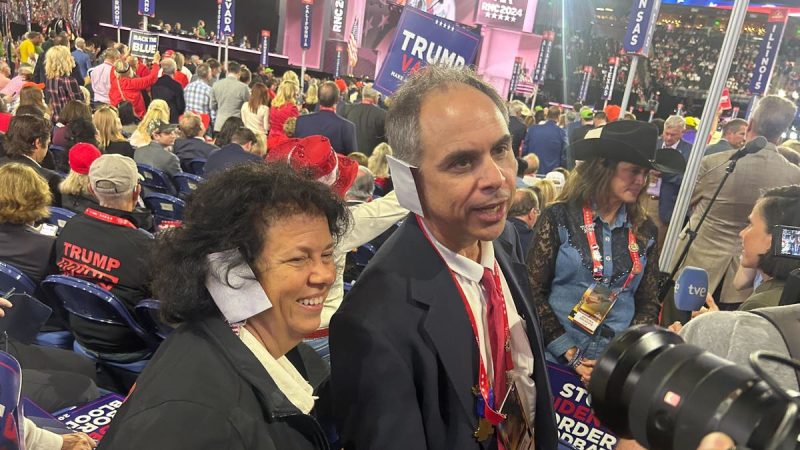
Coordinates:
[779,206]
[233,210]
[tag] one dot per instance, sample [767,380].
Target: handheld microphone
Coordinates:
[691,289]
[751,147]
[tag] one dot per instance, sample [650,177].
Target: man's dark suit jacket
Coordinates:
[404,355]
[671,184]
[192,148]
[228,156]
[53,179]
[171,92]
[340,131]
[517,129]
[370,121]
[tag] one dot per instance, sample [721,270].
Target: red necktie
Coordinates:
[496,320]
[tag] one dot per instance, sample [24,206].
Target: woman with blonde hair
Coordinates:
[60,86]
[284,106]
[158,110]
[312,99]
[75,194]
[596,248]
[548,189]
[109,132]
[378,164]
[24,200]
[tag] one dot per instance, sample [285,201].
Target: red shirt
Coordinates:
[181,78]
[132,90]
[277,117]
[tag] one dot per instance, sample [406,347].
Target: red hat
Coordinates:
[315,153]
[341,85]
[169,53]
[81,157]
[39,86]
[612,112]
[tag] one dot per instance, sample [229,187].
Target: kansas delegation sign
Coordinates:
[422,39]
[641,25]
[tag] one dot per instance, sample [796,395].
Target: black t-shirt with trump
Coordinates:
[105,246]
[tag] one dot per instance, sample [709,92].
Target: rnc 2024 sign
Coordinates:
[422,39]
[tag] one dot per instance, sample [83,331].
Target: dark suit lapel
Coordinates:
[446,323]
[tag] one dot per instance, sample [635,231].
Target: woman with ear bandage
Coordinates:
[244,278]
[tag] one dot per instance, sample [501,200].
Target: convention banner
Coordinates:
[93,418]
[422,39]
[265,34]
[577,426]
[143,44]
[544,57]
[147,8]
[768,52]
[305,26]
[116,16]
[338,66]
[587,77]
[338,16]
[515,74]
[227,14]
[610,78]
[501,14]
[641,25]
[219,20]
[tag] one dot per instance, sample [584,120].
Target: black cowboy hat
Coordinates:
[630,141]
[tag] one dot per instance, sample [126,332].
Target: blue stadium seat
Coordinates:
[363,255]
[91,302]
[156,180]
[147,312]
[196,166]
[59,216]
[12,437]
[11,277]
[186,183]
[164,207]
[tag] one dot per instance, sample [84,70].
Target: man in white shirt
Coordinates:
[101,76]
[440,324]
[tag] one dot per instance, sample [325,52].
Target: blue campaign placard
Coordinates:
[641,25]
[305,26]
[227,15]
[116,13]
[143,44]
[147,8]
[422,39]
[578,428]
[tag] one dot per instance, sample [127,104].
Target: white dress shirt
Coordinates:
[468,273]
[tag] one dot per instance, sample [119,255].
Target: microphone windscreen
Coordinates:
[691,289]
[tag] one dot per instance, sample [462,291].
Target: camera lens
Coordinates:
[650,386]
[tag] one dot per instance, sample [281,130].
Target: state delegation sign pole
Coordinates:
[629,85]
[738,14]
[305,38]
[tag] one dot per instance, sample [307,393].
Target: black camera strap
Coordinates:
[786,320]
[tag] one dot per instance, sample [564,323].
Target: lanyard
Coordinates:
[103,217]
[493,416]
[597,258]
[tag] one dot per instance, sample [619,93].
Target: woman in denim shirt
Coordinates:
[609,187]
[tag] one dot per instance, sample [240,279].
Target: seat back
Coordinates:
[186,183]
[11,277]
[364,254]
[196,166]
[91,302]
[11,418]
[147,312]
[164,207]
[155,179]
[59,216]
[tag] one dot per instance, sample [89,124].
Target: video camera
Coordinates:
[786,244]
[651,386]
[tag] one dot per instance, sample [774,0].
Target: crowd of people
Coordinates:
[340,251]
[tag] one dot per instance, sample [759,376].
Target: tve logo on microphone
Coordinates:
[691,288]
